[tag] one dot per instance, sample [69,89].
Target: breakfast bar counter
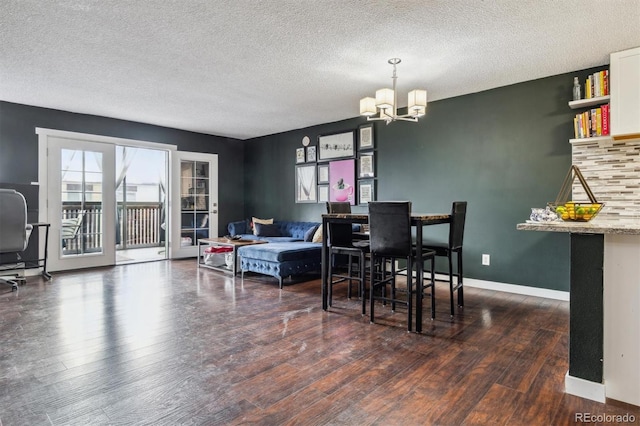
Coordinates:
[604,332]
[599,225]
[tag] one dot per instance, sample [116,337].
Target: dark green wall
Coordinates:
[503,150]
[19,148]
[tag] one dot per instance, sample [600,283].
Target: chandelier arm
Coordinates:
[407,118]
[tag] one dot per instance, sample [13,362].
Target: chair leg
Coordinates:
[363,275]
[330,280]
[460,286]
[451,283]
[371,289]
[419,296]
[393,285]
[12,282]
[433,288]
[349,274]
[409,294]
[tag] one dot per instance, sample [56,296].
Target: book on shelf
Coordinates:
[605,119]
[592,123]
[597,85]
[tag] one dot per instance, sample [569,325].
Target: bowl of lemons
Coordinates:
[578,212]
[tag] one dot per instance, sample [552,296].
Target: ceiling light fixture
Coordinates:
[385,105]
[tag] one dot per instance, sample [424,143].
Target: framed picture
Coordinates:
[366,166]
[311,154]
[323,173]
[299,155]
[342,181]
[323,193]
[365,137]
[306,184]
[338,145]
[366,191]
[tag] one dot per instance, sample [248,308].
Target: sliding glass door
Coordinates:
[80,204]
[141,196]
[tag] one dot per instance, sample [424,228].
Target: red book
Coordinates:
[605,119]
[606,82]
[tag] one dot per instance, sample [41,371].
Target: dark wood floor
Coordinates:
[162,343]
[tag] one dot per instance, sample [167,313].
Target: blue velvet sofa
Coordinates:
[287,253]
[288,231]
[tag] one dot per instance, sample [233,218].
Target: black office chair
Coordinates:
[14,236]
[343,246]
[390,239]
[454,245]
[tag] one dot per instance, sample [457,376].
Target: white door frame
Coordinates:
[176,250]
[43,169]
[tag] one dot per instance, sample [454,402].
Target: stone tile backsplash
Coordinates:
[612,170]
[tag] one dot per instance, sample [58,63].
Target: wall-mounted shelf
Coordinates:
[584,103]
[591,140]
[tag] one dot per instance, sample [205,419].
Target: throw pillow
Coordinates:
[317,236]
[308,236]
[267,230]
[255,220]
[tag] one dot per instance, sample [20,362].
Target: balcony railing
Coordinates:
[137,225]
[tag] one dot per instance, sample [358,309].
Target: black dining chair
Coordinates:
[343,251]
[451,247]
[390,239]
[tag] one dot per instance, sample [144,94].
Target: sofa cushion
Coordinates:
[279,239]
[255,220]
[295,229]
[266,230]
[317,236]
[308,236]
[238,228]
[281,252]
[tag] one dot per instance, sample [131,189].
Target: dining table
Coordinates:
[418,221]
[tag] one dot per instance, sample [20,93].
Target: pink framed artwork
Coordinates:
[342,181]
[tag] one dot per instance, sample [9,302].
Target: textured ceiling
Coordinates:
[247,68]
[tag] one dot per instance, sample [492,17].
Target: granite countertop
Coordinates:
[598,225]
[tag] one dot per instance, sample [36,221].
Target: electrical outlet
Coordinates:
[486,259]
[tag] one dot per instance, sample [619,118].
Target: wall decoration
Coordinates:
[323,193]
[306,184]
[299,155]
[366,191]
[342,181]
[366,166]
[323,173]
[339,145]
[305,141]
[311,154]
[365,137]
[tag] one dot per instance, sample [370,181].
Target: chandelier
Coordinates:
[385,105]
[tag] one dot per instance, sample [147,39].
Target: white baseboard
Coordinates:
[517,289]
[584,388]
[509,288]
